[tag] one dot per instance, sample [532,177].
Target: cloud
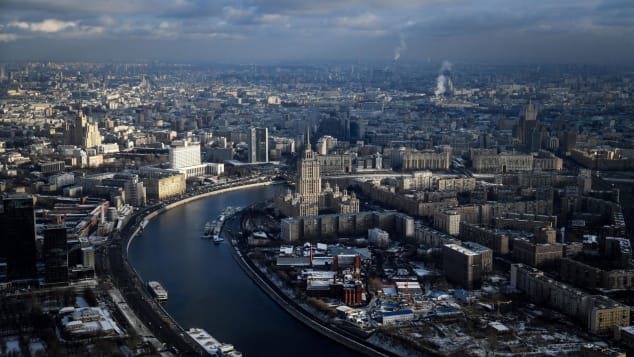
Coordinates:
[341,28]
[20,25]
[274,19]
[7,37]
[333,8]
[51,25]
[364,21]
[91,7]
[238,13]
[48,25]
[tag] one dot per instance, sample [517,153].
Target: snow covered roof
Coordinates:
[498,326]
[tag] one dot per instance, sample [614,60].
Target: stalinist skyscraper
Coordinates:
[309,177]
[82,133]
[309,196]
[526,124]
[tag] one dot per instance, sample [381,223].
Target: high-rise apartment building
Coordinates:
[462,265]
[17,238]
[447,221]
[258,145]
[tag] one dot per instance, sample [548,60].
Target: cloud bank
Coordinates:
[489,30]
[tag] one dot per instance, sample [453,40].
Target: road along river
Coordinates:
[208,289]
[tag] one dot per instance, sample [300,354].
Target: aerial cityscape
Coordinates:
[274,178]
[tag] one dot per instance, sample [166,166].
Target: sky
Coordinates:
[252,31]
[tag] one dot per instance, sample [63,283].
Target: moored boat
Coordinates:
[159,292]
[211,345]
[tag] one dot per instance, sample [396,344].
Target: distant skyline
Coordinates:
[260,31]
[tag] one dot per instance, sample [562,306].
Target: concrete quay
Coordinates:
[299,313]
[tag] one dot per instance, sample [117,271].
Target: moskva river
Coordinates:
[208,289]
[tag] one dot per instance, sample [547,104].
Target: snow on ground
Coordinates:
[81,302]
[36,346]
[13,346]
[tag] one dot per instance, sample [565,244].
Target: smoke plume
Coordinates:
[442,79]
[445,67]
[402,46]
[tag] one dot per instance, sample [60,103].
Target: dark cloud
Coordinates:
[342,29]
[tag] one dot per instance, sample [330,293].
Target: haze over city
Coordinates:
[317,178]
[258,31]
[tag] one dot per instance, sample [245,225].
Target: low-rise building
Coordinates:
[626,335]
[335,164]
[394,317]
[592,350]
[503,162]
[51,166]
[160,187]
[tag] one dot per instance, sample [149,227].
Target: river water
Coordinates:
[208,289]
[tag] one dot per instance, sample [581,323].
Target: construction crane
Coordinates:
[497,303]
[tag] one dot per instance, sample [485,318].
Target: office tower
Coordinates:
[568,140]
[82,133]
[487,141]
[537,136]
[357,130]
[55,253]
[258,145]
[17,240]
[184,154]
